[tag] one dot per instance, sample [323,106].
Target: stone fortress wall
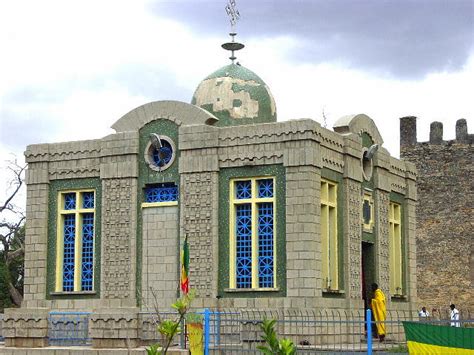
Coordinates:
[445,210]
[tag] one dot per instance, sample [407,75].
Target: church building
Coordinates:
[278,214]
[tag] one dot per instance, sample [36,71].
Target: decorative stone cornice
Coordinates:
[56,174]
[359,124]
[398,188]
[179,112]
[254,159]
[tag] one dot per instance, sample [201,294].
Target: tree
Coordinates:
[12,239]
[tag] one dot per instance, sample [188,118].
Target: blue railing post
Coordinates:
[217,331]
[207,330]
[369,332]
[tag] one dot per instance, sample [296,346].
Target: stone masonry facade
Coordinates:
[140,243]
[160,243]
[445,210]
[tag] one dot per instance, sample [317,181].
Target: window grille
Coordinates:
[75,241]
[244,246]
[265,244]
[164,192]
[70,201]
[69,248]
[87,251]
[265,188]
[252,234]
[243,189]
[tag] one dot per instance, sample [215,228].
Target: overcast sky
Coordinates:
[70,69]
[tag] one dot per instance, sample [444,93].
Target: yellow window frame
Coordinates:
[395,249]
[78,211]
[253,201]
[329,235]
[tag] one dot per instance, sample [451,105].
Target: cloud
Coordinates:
[71,69]
[404,38]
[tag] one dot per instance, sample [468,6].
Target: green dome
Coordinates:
[236,96]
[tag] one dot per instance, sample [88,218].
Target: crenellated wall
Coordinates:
[445,210]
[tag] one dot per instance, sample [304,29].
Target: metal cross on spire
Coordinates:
[234,16]
[233,13]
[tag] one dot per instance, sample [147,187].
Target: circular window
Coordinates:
[159,152]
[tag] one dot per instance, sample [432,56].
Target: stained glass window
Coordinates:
[75,261]
[69,248]
[163,155]
[70,201]
[253,234]
[265,188]
[244,245]
[88,199]
[87,251]
[243,189]
[265,244]
[164,192]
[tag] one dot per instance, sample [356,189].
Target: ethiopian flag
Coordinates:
[185,267]
[424,338]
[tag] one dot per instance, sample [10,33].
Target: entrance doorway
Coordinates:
[368,271]
[368,274]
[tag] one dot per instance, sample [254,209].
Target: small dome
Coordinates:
[236,96]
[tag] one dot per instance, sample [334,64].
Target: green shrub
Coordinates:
[274,345]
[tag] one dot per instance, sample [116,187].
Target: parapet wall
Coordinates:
[445,248]
[408,133]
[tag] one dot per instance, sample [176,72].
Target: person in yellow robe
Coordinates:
[379,310]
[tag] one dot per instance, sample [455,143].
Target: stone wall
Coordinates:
[303,247]
[445,250]
[118,241]
[160,256]
[199,223]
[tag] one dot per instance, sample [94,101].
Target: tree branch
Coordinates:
[16,296]
[17,180]
[14,254]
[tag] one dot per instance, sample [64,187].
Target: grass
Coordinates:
[400,349]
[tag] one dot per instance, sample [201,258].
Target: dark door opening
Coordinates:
[368,273]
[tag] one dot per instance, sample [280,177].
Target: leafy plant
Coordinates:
[168,328]
[193,318]
[275,345]
[154,349]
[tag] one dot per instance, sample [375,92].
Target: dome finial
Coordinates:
[234,16]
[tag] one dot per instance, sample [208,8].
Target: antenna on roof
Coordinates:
[234,16]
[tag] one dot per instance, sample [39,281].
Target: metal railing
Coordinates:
[312,331]
[69,328]
[238,331]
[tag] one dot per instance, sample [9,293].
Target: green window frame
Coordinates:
[277,172]
[75,241]
[252,232]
